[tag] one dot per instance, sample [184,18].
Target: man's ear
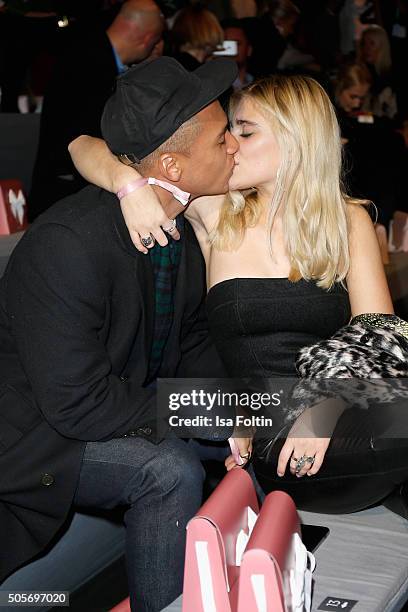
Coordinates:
[147,39]
[170,165]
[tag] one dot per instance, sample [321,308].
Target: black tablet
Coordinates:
[313,536]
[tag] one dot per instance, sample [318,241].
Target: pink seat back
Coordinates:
[123,606]
[13,209]
[383,242]
[268,556]
[211,574]
[400,231]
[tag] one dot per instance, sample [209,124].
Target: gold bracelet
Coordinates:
[384,321]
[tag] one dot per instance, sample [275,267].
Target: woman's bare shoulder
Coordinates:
[360,222]
[358,213]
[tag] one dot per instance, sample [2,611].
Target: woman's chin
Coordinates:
[236,185]
[239,181]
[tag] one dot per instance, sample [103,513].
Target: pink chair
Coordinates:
[123,606]
[399,232]
[211,574]
[13,209]
[216,577]
[268,557]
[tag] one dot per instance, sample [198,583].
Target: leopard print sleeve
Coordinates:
[365,362]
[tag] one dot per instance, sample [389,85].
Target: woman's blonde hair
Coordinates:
[196,28]
[350,75]
[383,64]
[308,188]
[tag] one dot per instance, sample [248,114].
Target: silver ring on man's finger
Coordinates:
[172,227]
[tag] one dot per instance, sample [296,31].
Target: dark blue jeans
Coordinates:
[160,487]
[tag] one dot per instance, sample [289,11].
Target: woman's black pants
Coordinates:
[362,466]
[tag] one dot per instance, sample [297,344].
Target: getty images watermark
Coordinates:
[193,407]
[210,401]
[209,407]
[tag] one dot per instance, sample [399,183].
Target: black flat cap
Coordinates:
[154,98]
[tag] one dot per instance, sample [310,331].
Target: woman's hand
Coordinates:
[144,216]
[243,453]
[303,442]
[312,450]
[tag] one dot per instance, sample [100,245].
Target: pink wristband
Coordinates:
[182,196]
[129,187]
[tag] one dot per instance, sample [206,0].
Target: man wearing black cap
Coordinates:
[87,323]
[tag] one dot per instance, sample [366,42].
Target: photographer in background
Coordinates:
[234,32]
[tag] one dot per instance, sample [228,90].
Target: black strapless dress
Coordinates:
[258,326]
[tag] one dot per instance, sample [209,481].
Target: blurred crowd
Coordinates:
[61,58]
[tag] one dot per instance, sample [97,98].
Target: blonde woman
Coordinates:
[351,88]
[290,258]
[376,54]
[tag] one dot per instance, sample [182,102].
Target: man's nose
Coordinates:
[232,144]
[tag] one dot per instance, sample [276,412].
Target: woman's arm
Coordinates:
[141,209]
[366,280]
[203,214]
[94,161]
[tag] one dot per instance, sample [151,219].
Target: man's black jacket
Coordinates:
[76,299]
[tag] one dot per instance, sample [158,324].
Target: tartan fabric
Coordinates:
[165,264]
